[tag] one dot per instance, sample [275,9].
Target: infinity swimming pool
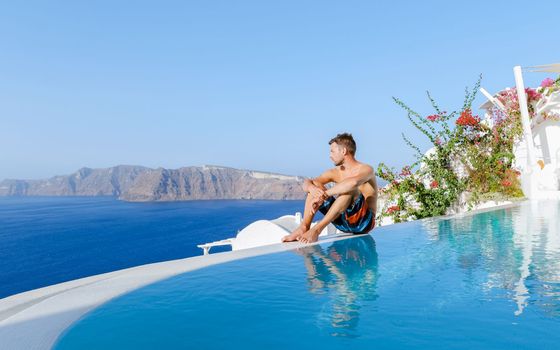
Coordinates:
[489,280]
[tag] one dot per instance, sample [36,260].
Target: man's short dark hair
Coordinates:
[345,140]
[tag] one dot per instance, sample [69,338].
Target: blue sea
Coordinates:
[48,240]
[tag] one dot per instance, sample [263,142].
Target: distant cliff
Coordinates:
[137,183]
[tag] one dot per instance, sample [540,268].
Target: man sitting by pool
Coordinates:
[350,204]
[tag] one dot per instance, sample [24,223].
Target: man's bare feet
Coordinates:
[294,235]
[310,236]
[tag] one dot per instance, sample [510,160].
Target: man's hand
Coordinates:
[316,192]
[318,196]
[316,203]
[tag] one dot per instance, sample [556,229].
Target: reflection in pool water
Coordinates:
[488,281]
[519,249]
[346,271]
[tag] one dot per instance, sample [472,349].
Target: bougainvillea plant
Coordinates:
[467,155]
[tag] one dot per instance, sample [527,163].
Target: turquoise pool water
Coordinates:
[486,281]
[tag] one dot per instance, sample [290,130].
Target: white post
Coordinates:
[527,133]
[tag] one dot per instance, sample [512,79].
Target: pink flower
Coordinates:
[437,141]
[406,171]
[548,82]
[532,94]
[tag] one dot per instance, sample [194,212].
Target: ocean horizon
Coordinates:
[50,240]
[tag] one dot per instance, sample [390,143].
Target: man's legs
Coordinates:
[308,215]
[338,207]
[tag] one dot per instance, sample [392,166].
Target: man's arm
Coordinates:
[318,183]
[365,173]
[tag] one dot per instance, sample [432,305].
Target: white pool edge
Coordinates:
[35,319]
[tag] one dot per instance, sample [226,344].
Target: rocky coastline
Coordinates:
[142,184]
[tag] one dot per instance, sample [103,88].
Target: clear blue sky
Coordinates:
[248,84]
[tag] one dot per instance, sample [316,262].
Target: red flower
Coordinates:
[393,209]
[433,117]
[506,183]
[395,183]
[434,184]
[467,119]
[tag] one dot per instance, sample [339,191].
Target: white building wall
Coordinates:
[546,137]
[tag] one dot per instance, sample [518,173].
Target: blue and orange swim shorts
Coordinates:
[358,218]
